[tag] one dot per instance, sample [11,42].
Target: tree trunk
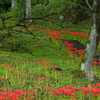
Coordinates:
[92,44]
[13,3]
[28,10]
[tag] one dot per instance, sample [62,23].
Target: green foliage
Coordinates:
[2,2]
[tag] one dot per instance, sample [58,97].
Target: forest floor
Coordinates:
[37,64]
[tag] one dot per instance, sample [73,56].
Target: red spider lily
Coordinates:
[39,86]
[55,67]
[35,28]
[10,67]
[40,62]
[61,31]
[75,34]
[12,40]
[18,91]
[98,84]
[32,63]
[72,52]
[30,92]
[68,86]
[95,62]
[39,44]
[9,24]
[21,74]
[48,88]
[47,64]
[84,35]
[1,88]
[15,72]
[88,73]
[2,78]
[59,55]
[68,32]
[30,28]
[69,45]
[41,78]
[53,33]
[4,40]
[95,94]
[68,56]
[46,68]
[48,61]
[80,57]
[28,98]
[80,52]
[71,48]
[56,92]
[65,91]
[6,65]
[45,58]
[66,51]
[58,71]
[72,99]
[14,95]
[91,90]
[65,43]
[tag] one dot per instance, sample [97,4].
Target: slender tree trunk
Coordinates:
[13,3]
[91,48]
[28,10]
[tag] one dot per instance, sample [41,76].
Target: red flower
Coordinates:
[30,27]
[56,92]
[58,71]
[59,55]
[28,98]
[10,67]
[32,63]
[21,73]
[45,58]
[48,61]
[95,95]
[41,78]
[98,84]
[12,40]
[40,62]
[19,91]
[4,40]
[55,67]
[9,24]
[48,88]
[46,68]
[6,65]
[2,78]
[47,64]
[39,44]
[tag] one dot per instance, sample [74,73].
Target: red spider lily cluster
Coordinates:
[55,35]
[72,90]
[5,64]
[66,90]
[10,95]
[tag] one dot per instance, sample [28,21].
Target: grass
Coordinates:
[31,72]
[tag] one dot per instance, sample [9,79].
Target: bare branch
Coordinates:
[89,5]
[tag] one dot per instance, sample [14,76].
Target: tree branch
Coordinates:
[89,5]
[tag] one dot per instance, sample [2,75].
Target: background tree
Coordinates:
[28,9]
[92,44]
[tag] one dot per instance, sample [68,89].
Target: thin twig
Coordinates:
[89,5]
